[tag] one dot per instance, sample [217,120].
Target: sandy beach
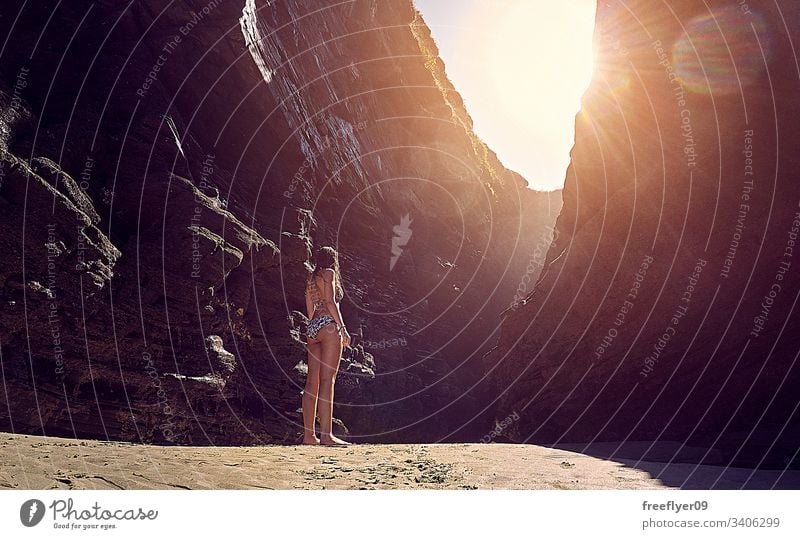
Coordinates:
[34,462]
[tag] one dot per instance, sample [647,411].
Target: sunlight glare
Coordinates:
[521,66]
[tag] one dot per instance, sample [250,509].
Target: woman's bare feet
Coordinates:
[332,440]
[312,440]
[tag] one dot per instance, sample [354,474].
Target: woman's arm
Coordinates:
[328,275]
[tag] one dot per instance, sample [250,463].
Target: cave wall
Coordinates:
[165,169]
[667,307]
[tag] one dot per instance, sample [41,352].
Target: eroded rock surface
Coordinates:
[667,309]
[186,156]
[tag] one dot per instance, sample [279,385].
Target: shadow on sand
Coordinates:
[677,466]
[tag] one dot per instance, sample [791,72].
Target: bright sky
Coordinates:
[521,67]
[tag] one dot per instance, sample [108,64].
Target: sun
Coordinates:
[522,67]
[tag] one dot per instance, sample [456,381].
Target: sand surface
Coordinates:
[34,462]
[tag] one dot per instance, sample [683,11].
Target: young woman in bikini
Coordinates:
[326,335]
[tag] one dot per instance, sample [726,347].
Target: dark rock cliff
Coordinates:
[667,308]
[165,169]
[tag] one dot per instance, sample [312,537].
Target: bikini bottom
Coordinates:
[316,324]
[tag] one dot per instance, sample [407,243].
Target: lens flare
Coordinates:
[721,52]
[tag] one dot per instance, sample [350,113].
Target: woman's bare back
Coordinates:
[315,293]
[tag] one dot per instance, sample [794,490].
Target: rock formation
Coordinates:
[667,307]
[164,170]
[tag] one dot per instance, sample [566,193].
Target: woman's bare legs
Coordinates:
[311,392]
[331,357]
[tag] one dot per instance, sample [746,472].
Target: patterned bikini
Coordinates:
[317,322]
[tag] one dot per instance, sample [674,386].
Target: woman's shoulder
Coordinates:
[327,274]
